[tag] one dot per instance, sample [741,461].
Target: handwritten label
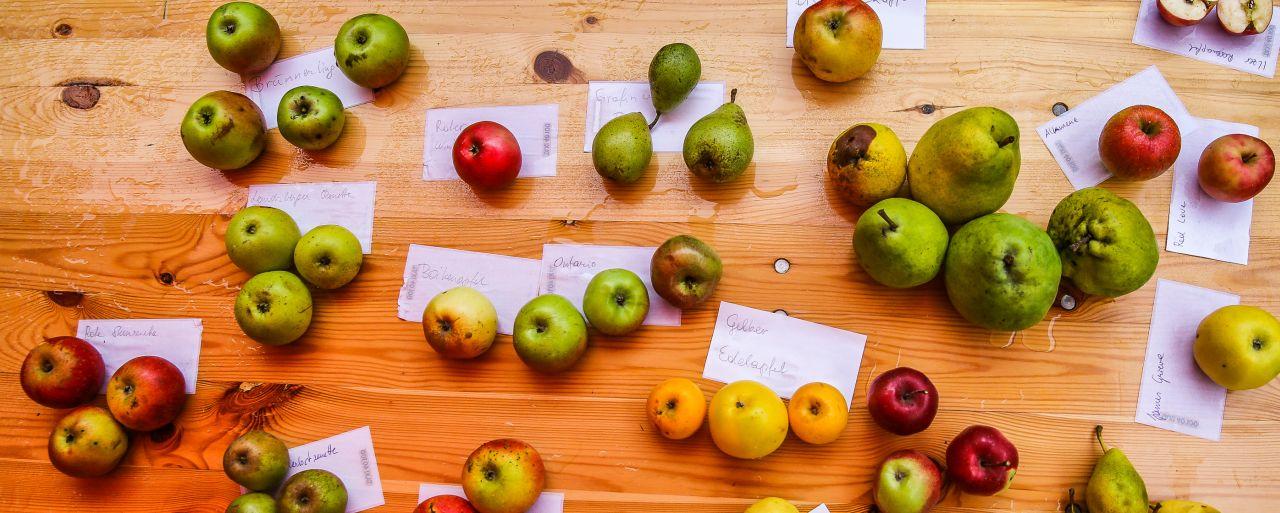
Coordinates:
[1208,42]
[350,457]
[548,502]
[1072,138]
[568,268]
[318,68]
[508,282]
[1198,224]
[347,204]
[121,340]
[903,21]
[784,353]
[607,100]
[1174,393]
[536,127]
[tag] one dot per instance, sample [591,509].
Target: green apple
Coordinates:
[242,37]
[253,502]
[274,308]
[549,334]
[87,442]
[224,130]
[748,420]
[372,50]
[310,117]
[460,323]
[313,491]
[261,239]
[900,243]
[1238,347]
[256,460]
[685,271]
[907,482]
[772,505]
[616,302]
[1002,272]
[328,256]
[503,476]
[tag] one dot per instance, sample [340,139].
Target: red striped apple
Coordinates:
[1236,167]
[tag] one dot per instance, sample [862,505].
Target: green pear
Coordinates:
[1002,272]
[1107,246]
[1115,486]
[1179,506]
[900,243]
[719,146]
[622,148]
[965,165]
[673,73]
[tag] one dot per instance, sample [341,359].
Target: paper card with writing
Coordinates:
[903,21]
[1208,42]
[1198,224]
[347,204]
[350,457]
[1072,138]
[121,340]
[607,100]
[509,282]
[822,508]
[568,268]
[318,68]
[1175,394]
[548,502]
[536,127]
[782,352]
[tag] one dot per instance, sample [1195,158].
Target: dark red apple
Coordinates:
[981,461]
[1139,143]
[445,504]
[1236,167]
[63,372]
[903,401]
[146,393]
[487,155]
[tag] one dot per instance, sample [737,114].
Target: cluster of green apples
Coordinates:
[258,461]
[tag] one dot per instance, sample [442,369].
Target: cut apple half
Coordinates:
[1185,13]
[1245,17]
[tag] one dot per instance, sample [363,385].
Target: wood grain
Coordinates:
[104,215]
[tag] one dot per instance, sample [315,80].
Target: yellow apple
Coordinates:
[839,40]
[676,407]
[818,413]
[748,420]
[1238,347]
[460,323]
[772,505]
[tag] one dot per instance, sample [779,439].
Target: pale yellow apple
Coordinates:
[772,505]
[818,413]
[1238,347]
[676,407]
[460,323]
[838,40]
[747,420]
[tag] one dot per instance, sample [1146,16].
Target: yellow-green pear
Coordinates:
[1115,486]
[965,165]
[719,147]
[1181,506]
[622,148]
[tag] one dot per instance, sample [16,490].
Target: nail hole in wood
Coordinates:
[1060,109]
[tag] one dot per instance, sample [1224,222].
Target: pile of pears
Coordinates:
[718,147]
[1116,487]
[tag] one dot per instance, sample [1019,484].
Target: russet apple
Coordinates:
[146,393]
[902,401]
[328,257]
[616,302]
[818,413]
[907,482]
[445,504]
[772,505]
[274,308]
[372,50]
[261,239]
[313,491]
[981,461]
[460,323]
[1234,168]
[224,130]
[242,37]
[62,372]
[87,442]
[310,117]
[839,40]
[1245,17]
[685,271]
[486,155]
[253,502]
[256,460]
[503,476]
[676,407]
[1140,142]
[748,420]
[1183,13]
[1238,347]
[549,334]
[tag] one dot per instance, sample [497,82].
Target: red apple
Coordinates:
[487,155]
[903,401]
[87,442]
[445,504]
[63,372]
[907,482]
[1184,13]
[981,461]
[1236,167]
[1139,143]
[146,393]
[1245,17]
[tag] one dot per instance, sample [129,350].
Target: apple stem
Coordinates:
[655,121]
[1077,245]
[733,95]
[893,227]
[1097,433]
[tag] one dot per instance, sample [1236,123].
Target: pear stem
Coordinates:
[893,227]
[1077,245]
[733,95]
[655,121]
[1097,433]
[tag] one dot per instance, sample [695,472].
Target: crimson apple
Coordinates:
[146,393]
[1236,167]
[903,401]
[981,461]
[63,372]
[1139,143]
[87,442]
[445,504]
[487,155]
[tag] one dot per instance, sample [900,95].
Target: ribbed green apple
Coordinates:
[261,239]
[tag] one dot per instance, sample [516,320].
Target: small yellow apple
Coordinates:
[676,407]
[748,420]
[772,505]
[818,413]
[1238,347]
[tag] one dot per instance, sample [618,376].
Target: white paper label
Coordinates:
[1207,41]
[1072,138]
[1198,224]
[348,456]
[902,20]
[509,282]
[1174,394]
[548,502]
[822,508]
[347,204]
[318,68]
[568,268]
[121,340]
[608,100]
[536,128]
[782,352]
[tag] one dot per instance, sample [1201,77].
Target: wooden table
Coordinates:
[104,215]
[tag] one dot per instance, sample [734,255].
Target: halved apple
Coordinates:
[1245,17]
[1184,13]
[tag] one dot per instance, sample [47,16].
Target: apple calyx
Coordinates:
[834,23]
[893,227]
[1149,127]
[228,26]
[1258,344]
